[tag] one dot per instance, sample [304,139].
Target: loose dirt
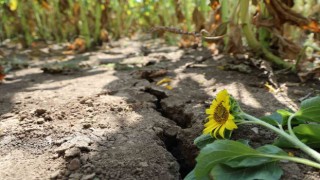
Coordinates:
[112,120]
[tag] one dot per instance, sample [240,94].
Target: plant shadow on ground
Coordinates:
[134,129]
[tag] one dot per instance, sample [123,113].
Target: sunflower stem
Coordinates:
[290,127]
[295,159]
[293,139]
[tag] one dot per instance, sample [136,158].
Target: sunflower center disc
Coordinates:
[221,114]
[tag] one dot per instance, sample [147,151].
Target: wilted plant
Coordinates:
[229,159]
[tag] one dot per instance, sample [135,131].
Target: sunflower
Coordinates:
[219,116]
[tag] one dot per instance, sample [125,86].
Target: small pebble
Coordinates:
[40,121]
[89,176]
[143,164]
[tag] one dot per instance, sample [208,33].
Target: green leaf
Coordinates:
[310,110]
[203,140]
[285,112]
[231,153]
[244,141]
[307,133]
[270,149]
[256,160]
[281,118]
[265,171]
[273,119]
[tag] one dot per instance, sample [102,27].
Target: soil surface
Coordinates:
[114,119]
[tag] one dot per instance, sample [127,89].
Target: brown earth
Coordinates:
[112,121]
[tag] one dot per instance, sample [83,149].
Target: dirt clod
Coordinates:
[72,152]
[74,164]
[39,112]
[55,175]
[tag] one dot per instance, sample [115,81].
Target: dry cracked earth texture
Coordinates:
[112,121]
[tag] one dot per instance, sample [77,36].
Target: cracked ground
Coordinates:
[114,121]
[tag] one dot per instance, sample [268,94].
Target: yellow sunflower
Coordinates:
[219,116]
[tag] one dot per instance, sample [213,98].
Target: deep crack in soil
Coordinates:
[174,146]
[169,136]
[176,113]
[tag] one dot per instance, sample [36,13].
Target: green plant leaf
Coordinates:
[273,119]
[231,153]
[244,141]
[270,149]
[285,112]
[265,171]
[203,140]
[307,133]
[310,110]
[281,118]
[256,160]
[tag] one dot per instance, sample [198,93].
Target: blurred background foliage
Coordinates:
[285,32]
[64,20]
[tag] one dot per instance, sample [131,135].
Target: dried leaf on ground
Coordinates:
[78,46]
[267,71]
[243,68]
[311,74]
[168,87]
[270,88]
[164,80]
[189,41]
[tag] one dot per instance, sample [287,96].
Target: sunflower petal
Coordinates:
[222,96]
[210,126]
[216,131]
[230,124]
[209,111]
[221,130]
